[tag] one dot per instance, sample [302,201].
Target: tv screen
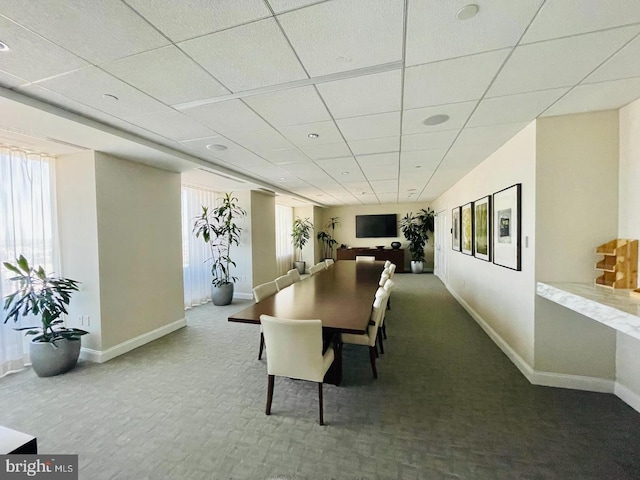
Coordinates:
[370,226]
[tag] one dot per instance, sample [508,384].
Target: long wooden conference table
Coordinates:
[341,296]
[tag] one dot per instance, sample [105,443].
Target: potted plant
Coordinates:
[415,228]
[327,239]
[220,233]
[55,348]
[300,236]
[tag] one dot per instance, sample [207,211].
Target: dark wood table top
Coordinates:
[341,296]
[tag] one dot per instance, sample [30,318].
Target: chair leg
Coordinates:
[372,359]
[384,331]
[269,393]
[380,341]
[261,346]
[320,403]
[375,348]
[389,304]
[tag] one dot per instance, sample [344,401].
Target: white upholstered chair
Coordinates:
[316,268]
[383,278]
[388,286]
[294,350]
[261,292]
[328,262]
[392,270]
[387,263]
[294,274]
[365,258]
[369,338]
[284,281]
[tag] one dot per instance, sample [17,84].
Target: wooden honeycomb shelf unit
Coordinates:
[619,265]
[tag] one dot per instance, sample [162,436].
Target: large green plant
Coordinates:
[327,239]
[415,228]
[300,235]
[41,295]
[220,232]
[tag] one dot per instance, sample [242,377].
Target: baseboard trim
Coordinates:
[243,296]
[101,356]
[536,377]
[628,396]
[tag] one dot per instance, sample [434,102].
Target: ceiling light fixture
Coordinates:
[216,146]
[345,173]
[108,96]
[418,166]
[4,47]
[467,12]
[313,135]
[435,120]
[411,189]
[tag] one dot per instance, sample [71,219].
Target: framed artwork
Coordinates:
[455,229]
[466,228]
[482,228]
[507,227]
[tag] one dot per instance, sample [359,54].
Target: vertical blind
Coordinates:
[284,243]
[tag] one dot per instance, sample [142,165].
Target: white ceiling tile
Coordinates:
[558,63]
[332,150]
[31,57]
[168,75]
[368,199]
[560,18]
[344,170]
[387,197]
[375,145]
[623,64]
[88,86]
[370,126]
[228,117]
[380,172]
[285,156]
[95,31]
[173,125]
[345,35]
[260,140]
[192,18]
[597,96]
[423,141]
[451,81]
[272,172]
[434,33]
[379,159]
[299,134]
[280,6]
[234,152]
[9,81]
[306,171]
[425,159]
[514,108]
[289,107]
[246,57]
[490,134]
[358,187]
[458,114]
[363,95]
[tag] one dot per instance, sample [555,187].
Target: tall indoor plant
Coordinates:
[300,235]
[54,348]
[328,239]
[220,232]
[415,228]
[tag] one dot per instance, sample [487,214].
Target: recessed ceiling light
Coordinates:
[418,166]
[108,96]
[435,119]
[345,173]
[282,178]
[467,12]
[313,135]
[216,146]
[4,47]
[344,59]
[411,189]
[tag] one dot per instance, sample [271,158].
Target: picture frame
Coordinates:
[482,228]
[466,228]
[507,227]
[455,229]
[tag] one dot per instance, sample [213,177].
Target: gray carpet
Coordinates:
[447,405]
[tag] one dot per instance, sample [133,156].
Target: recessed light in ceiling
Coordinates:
[344,59]
[411,189]
[216,146]
[435,120]
[345,173]
[418,166]
[108,96]
[467,12]
[4,47]
[313,135]
[282,178]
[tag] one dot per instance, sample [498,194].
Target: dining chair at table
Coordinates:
[389,285]
[294,274]
[261,292]
[365,258]
[387,263]
[328,262]
[284,281]
[294,350]
[315,269]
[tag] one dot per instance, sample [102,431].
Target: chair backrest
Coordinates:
[294,347]
[294,274]
[283,281]
[365,258]
[387,263]
[377,316]
[328,262]
[315,269]
[383,278]
[322,265]
[265,290]
[392,270]
[389,285]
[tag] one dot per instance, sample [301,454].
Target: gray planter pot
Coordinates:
[222,295]
[48,361]
[417,267]
[300,266]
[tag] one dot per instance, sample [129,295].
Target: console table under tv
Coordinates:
[393,255]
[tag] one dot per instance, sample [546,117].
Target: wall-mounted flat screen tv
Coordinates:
[370,226]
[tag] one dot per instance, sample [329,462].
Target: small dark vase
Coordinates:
[396,245]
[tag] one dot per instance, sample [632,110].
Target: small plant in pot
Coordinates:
[300,235]
[415,228]
[327,239]
[54,348]
[220,232]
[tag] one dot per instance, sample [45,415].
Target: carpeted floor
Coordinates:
[447,405]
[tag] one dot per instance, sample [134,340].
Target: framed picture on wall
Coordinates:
[507,228]
[455,229]
[482,228]
[466,228]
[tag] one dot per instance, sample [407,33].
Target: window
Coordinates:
[284,243]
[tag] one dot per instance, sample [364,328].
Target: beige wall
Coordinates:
[263,237]
[242,254]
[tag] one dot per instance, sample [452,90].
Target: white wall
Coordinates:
[243,254]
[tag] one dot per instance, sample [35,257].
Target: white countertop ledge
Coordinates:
[614,308]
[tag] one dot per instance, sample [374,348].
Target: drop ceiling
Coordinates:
[259,76]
